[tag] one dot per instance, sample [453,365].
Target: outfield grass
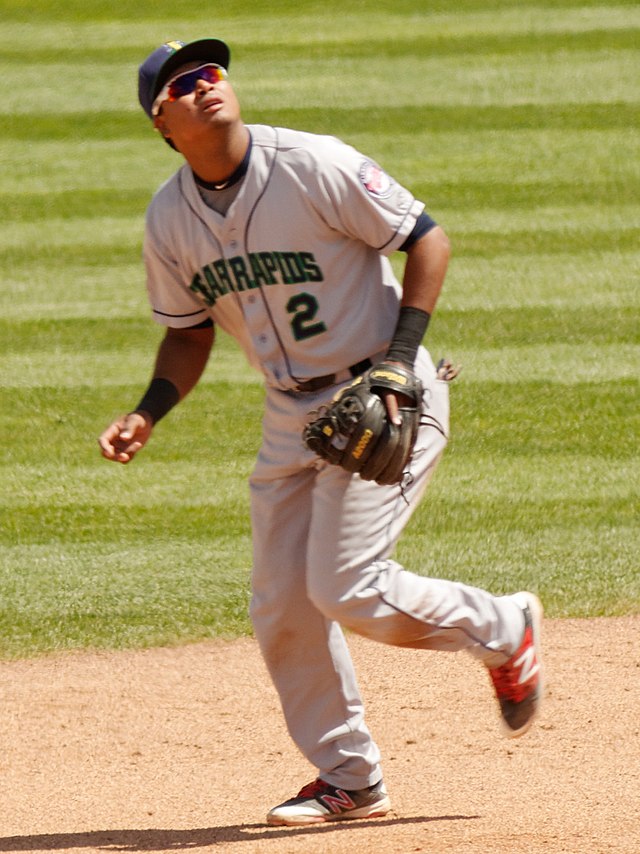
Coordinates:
[516,122]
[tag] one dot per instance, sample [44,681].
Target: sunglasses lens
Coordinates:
[181,86]
[213,74]
[186,83]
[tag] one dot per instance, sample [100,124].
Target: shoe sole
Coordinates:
[530,600]
[376,810]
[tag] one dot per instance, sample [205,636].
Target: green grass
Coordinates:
[515,121]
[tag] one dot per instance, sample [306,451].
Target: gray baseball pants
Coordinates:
[322,545]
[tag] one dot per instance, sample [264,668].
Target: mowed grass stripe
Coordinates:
[543,45]
[61,417]
[578,571]
[58,255]
[68,595]
[602,157]
[306,21]
[112,124]
[88,204]
[73,204]
[514,168]
[533,501]
[615,192]
[550,416]
[65,522]
[563,281]
[528,195]
[558,364]
[85,334]
[477,328]
[94,523]
[485,244]
[105,288]
[58,369]
[159,482]
[588,76]
[540,325]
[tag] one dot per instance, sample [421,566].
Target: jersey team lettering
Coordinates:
[244,273]
[375,180]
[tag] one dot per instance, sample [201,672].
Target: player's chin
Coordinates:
[221,118]
[210,122]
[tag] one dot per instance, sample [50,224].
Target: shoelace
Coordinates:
[312,789]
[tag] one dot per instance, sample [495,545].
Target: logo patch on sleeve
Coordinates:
[376,182]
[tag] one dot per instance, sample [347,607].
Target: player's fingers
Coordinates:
[121,451]
[132,424]
[127,454]
[131,450]
[115,452]
[391,403]
[106,440]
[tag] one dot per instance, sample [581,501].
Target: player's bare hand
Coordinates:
[122,439]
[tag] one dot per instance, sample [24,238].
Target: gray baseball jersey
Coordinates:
[297,264]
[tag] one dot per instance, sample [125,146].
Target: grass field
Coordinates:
[516,122]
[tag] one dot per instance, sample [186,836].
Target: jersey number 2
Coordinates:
[304,308]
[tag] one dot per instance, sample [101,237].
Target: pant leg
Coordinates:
[306,653]
[352,580]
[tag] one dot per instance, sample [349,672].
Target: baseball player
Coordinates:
[282,238]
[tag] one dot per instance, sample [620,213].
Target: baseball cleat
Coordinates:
[519,683]
[320,801]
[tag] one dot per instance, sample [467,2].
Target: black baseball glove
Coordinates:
[354,430]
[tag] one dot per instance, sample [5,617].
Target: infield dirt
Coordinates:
[185,749]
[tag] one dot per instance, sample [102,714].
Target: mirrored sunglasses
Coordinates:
[185,83]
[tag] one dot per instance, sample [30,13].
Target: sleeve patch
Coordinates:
[375,180]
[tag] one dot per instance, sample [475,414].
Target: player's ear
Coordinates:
[160,125]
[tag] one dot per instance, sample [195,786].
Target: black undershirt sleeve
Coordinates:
[424,223]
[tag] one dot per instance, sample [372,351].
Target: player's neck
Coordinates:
[216,162]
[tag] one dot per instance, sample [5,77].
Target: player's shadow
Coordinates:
[177,840]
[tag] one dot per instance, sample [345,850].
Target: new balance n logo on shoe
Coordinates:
[528,664]
[337,802]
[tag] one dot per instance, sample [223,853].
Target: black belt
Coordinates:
[318,383]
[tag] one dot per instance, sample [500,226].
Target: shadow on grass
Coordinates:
[177,840]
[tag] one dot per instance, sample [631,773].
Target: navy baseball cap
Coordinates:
[159,65]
